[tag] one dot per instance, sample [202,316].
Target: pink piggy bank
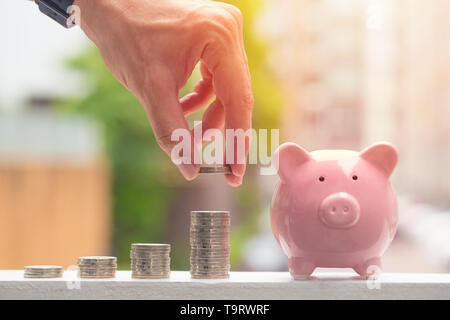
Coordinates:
[334,208]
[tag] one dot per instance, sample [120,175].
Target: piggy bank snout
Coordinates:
[339,210]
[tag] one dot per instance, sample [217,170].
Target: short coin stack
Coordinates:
[214,170]
[97,267]
[210,244]
[43,272]
[150,260]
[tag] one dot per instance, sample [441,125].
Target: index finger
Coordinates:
[167,120]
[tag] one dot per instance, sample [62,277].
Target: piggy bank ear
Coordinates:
[287,157]
[383,155]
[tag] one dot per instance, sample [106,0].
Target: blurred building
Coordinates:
[421,97]
[54,190]
[358,72]
[318,53]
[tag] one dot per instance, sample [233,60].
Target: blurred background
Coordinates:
[81,173]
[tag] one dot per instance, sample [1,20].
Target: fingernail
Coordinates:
[188,171]
[234,181]
[238,170]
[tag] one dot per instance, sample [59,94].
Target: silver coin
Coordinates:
[98,258]
[205,251]
[210,221]
[142,249]
[209,227]
[210,267]
[42,274]
[90,271]
[142,265]
[151,271]
[208,235]
[209,276]
[212,244]
[210,238]
[210,273]
[215,169]
[151,245]
[207,247]
[143,258]
[212,217]
[210,214]
[209,259]
[211,263]
[150,261]
[44,268]
[97,271]
[97,267]
[225,223]
[146,262]
[216,233]
[149,255]
[209,255]
[150,258]
[97,263]
[91,262]
[199,234]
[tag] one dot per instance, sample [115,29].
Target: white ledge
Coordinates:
[240,285]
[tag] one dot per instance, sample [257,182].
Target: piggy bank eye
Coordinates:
[355,177]
[321,178]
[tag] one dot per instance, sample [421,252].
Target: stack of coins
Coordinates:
[43,272]
[97,267]
[210,244]
[150,260]
[215,169]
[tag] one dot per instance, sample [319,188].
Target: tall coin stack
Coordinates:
[150,260]
[43,272]
[210,244]
[97,267]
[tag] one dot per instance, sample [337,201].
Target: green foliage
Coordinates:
[143,177]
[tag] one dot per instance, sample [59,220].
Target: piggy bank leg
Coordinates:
[371,267]
[301,268]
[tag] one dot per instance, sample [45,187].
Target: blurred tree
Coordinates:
[142,174]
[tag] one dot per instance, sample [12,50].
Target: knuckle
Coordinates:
[248,100]
[219,18]
[235,12]
[229,21]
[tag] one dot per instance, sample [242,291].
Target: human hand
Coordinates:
[152,48]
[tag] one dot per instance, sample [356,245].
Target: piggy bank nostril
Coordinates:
[345,209]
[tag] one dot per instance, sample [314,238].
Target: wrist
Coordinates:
[94,12]
[87,9]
